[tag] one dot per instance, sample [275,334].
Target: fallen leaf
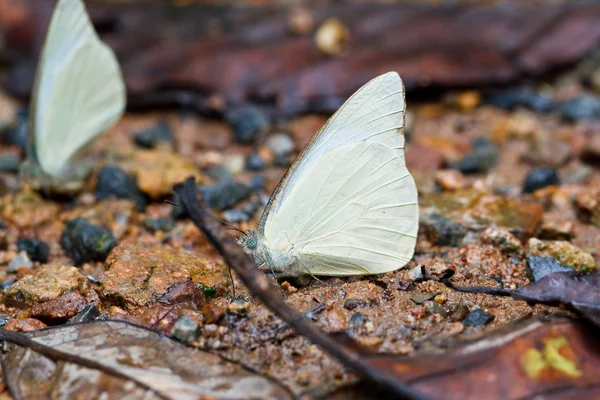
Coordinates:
[576,290]
[533,359]
[117,360]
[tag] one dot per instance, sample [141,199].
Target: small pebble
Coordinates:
[21,260]
[581,108]
[185,329]
[210,330]
[478,317]
[538,267]
[35,249]
[458,312]
[332,37]
[539,178]
[88,314]
[4,320]
[17,134]
[514,98]
[480,160]
[83,241]
[421,298]
[9,162]
[551,230]
[280,144]
[164,224]
[150,138]
[225,194]
[417,274]
[351,304]
[501,238]
[246,122]
[238,307]
[236,215]
[255,162]
[448,179]
[442,231]
[434,308]
[113,181]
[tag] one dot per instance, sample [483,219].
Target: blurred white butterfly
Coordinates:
[348,205]
[78,94]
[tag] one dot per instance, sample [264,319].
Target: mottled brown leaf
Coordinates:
[549,360]
[124,361]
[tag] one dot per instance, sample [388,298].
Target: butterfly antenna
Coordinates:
[173,203]
[311,274]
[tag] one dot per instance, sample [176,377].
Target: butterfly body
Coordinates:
[348,205]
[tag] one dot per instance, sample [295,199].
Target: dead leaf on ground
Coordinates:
[536,359]
[575,290]
[121,360]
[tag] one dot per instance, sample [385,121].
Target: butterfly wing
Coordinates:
[79,91]
[349,205]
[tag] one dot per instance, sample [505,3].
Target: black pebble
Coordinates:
[10,163]
[478,317]
[513,98]
[17,135]
[539,267]
[539,178]
[482,157]
[442,231]
[150,137]
[255,162]
[83,241]
[351,304]
[581,108]
[164,224]
[88,314]
[225,194]
[35,249]
[247,122]
[113,181]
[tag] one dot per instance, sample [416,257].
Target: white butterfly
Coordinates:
[78,94]
[348,205]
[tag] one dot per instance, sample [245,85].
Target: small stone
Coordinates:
[236,215]
[448,179]
[421,298]
[9,162]
[478,317]
[480,160]
[83,241]
[336,320]
[417,274]
[48,282]
[238,307]
[280,144]
[581,108]
[257,183]
[158,171]
[186,329]
[163,224]
[17,135]
[356,320]
[351,304]
[4,320]
[25,325]
[563,252]
[149,138]
[255,162]
[113,181]
[210,330]
[539,178]
[591,152]
[538,267]
[434,308]
[442,231]
[88,314]
[28,209]
[501,238]
[225,194]
[35,249]
[458,312]
[587,202]
[441,298]
[21,260]
[332,37]
[300,21]
[246,122]
[514,98]
[551,230]
[65,306]
[549,152]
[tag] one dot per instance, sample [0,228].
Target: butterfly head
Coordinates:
[249,242]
